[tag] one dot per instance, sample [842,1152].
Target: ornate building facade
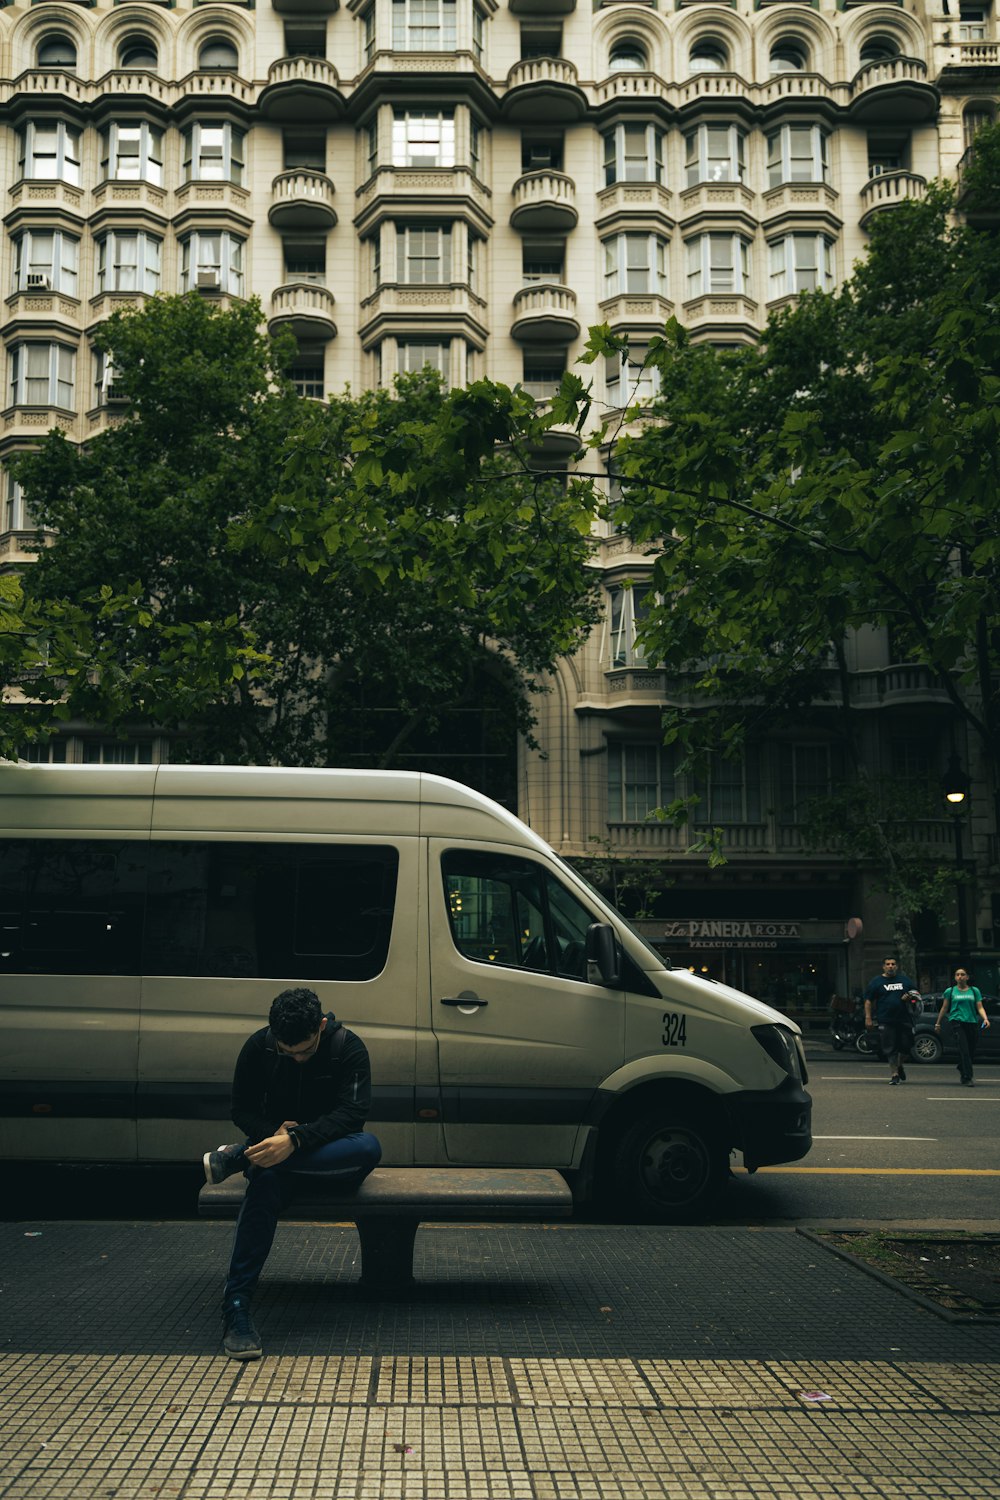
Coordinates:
[470,185]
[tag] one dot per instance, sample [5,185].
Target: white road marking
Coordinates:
[875,1137]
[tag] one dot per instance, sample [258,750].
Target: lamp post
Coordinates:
[956,790]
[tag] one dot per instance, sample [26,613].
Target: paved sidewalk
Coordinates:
[573,1362]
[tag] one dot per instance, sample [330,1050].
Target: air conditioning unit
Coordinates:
[37,281]
[208,281]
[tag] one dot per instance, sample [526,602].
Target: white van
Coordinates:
[150,914]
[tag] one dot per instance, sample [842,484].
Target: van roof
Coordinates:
[180,798]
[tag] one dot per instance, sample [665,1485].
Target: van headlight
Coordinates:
[782,1047]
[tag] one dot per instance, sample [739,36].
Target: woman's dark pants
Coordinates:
[966,1034]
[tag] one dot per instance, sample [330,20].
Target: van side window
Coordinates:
[510,911]
[270,911]
[71,906]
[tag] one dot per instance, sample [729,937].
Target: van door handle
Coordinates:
[469,1000]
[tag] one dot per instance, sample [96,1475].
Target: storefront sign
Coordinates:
[731,933]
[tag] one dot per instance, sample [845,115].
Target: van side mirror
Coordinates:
[603,966]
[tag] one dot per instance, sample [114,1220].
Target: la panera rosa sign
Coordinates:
[731,932]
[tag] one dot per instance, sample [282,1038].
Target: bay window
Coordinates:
[49,151]
[729,792]
[799,263]
[797,153]
[42,374]
[128,261]
[132,153]
[414,354]
[625,617]
[716,264]
[633,153]
[635,263]
[424,25]
[715,153]
[627,382]
[423,138]
[214,153]
[423,255]
[47,260]
[213,261]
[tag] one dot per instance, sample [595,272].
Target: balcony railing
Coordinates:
[544,201]
[888,189]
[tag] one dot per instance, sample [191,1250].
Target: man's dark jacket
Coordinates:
[330,1095]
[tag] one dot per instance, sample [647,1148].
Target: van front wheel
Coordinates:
[666,1168]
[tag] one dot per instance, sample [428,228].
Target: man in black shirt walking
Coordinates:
[301,1095]
[891,994]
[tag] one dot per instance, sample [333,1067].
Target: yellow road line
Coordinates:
[892,1171]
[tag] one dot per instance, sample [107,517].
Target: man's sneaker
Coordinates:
[240,1338]
[222,1163]
[894,1079]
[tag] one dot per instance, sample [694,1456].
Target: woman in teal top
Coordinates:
[964,1005]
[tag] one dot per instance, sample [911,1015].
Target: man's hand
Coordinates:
[274,1150]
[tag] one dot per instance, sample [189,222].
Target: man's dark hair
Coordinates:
[295,1015]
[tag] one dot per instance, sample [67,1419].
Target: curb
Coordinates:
[899,1286]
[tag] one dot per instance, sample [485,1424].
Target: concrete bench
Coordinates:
[391,1203]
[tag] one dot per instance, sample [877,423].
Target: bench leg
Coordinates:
[387,1252]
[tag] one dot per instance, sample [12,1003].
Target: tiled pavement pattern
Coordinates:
[572,1363]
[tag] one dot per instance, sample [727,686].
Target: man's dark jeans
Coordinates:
[344,1164]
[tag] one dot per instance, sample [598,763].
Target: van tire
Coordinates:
[667,1166]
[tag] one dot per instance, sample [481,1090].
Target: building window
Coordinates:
[434,255]
[51,752]
[797,153]
[635,263]
[56,51]
[478,34]
[786,57]
[128,261]
[303,152]
[368,25]
[627,609]
[138,52]
[219,53]
[715,153]
[541,375]
[628,57]
[633,153]
[212,262]
[475,147]
[879,49]
[132,153]
[717,263]
[415,354]
[640,779]
[708,57]
[214,153]
[976,117]
[423,139]
[47,260]
[50,152]
[424,26]
[17,516]
[807,772]
[799,263]
[306,374]
[42,375]
[972,23]
[627,381]
[541,263]
[306,263]
[117,753]
[730,792]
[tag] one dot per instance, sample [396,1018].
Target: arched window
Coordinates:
[787,57]
[137,52]
[628,57]
[56,51]
[219,53]
[709,57]
[879,49]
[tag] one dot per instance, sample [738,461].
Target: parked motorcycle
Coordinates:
[847,1029]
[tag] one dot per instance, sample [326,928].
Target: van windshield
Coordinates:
[657,957]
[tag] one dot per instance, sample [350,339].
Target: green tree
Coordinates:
[840,474]
[275,558]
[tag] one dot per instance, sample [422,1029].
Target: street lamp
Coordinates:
[956,790]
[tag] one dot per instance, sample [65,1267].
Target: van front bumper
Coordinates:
[772,1125]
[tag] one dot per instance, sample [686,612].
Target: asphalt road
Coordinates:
[925,1152]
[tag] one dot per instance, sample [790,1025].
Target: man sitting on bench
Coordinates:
[303,1064]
